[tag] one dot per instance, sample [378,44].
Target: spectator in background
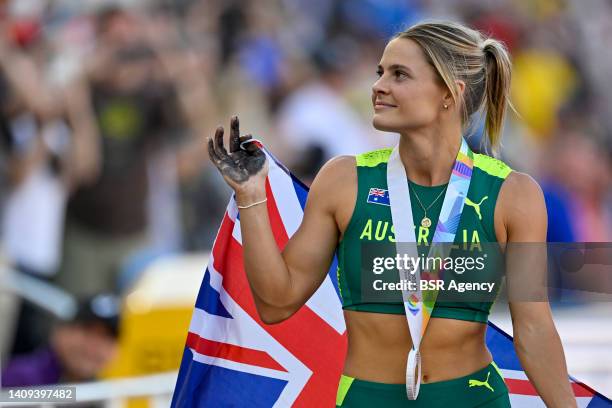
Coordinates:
[46,153]
[192,60]
[583,166]
[577,186]
[34,144]
[77,350]
[134,108]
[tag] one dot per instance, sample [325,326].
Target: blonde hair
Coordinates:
[458,52]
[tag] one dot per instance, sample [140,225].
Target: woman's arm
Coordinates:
[282,282]
[536,340]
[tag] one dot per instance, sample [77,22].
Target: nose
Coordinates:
[379,87]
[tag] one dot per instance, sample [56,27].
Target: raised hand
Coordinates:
[244,168]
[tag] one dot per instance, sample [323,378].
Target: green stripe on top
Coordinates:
[489,165]
[492,166]
[373,158]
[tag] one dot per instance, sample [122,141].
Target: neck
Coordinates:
[428,156]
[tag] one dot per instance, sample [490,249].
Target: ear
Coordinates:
[460,87]
[448,97]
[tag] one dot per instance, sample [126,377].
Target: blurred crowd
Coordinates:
[105,106]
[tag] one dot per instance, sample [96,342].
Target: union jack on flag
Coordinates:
[233,359]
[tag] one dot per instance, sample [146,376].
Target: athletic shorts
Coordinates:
[484,389]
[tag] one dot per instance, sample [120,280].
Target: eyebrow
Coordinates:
[397,66]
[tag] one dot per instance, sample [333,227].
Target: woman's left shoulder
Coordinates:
[521,187]
[521,203]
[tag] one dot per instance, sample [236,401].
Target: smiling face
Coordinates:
[408,94]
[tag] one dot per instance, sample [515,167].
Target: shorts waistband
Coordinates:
[429,386]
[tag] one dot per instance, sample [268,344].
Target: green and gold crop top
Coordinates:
[371,222]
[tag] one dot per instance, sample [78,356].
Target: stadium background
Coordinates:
[105,185]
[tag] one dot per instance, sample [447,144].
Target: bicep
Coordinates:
[310,251]
[525,219]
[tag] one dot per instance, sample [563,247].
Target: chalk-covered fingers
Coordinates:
[244,161]
[234,134]
[216,151]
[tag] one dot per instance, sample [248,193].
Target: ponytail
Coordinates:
[497,88]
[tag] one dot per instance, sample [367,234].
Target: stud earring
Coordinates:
[445,106]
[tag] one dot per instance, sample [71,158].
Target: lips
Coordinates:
[381,104]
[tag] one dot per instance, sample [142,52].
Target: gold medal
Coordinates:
[425,222]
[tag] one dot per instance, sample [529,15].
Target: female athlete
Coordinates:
[431,79]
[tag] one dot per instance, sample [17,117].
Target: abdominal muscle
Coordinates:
[378,346]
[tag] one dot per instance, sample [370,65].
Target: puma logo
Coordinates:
[485,383]
[476,206]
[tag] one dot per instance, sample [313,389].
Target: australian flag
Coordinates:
[378,196]
[233,359]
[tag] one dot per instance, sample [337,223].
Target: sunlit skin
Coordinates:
[408,99]
[408,93]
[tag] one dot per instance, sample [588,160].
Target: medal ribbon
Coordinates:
[418,304]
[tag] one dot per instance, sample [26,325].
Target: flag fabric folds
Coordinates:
[233,359]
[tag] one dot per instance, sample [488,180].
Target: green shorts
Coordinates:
[484,388]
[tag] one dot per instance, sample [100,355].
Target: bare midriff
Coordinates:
[378,346]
